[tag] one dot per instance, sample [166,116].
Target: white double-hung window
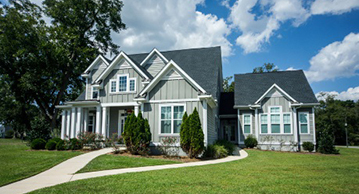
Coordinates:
[122,84]
[171,118]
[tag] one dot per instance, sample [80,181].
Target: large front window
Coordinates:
[276,121]
[171,118]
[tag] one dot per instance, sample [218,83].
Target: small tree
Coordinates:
[185,140]
[196,135]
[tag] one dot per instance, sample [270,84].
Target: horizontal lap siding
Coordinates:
[106,97]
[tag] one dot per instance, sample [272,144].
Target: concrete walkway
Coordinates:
[58,174]
[64,172]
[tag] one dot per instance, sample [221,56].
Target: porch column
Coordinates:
[63,124]
[85,120]
[73,122]
[78,121]
[256,123]
[136,110]
[68,122]
[103,128]
[239,126]
[98,119]
[205,124]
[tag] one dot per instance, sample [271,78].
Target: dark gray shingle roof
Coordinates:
[250,87]
[203,65]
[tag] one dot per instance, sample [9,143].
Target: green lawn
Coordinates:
[17,161]
[107,162]
[261,172]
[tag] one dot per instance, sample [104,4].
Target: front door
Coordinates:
[121,122]
[229,130]
[91,123]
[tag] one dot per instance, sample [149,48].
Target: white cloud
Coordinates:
[338,59]
[170,25]
[258,29]
[333,6]
[350,94]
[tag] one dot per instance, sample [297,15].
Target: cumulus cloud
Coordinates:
[350,94]
[338,59]
[170,25]
[257,29]
[259,20]
[333,6]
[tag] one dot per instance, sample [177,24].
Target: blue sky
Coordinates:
[320,37]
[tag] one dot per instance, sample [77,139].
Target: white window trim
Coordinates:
[250,124]
[98,93]
[300,126]
[133,78]
[127,84]
[269,123]
[172,117]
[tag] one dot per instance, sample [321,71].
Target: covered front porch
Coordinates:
[94,117]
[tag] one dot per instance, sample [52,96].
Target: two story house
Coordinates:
[164,85]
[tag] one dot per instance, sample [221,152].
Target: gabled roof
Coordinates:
[164,71]
[203,65]
[250,87]
[100,57]
[108,70]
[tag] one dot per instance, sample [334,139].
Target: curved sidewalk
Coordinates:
[242,154]
[65,171]
[58,174]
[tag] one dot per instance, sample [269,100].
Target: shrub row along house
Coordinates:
[276,108]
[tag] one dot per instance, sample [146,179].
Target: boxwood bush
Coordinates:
[38,144]
[250,141]
[308,146]
[227,144]
[51,145]
[216,151]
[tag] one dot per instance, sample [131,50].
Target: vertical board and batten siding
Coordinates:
[276,101]
[152,113]
[307,137]
[211,125]
[107,97]
[173,89]
[154,65]
[95,73]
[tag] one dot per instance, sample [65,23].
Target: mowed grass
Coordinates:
[260,172]
[17,161]
[107,162]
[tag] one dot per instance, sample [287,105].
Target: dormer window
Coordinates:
[122,84]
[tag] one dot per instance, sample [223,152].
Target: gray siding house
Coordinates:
[164,85]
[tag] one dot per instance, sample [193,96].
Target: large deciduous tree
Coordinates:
[41,63]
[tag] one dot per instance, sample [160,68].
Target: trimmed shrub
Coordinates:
[38,144]
[308,146]
[250,141]
[75,144]
[227,144]
[326,144]
[60,145]
[216,151]
[9,134]
[51,145]
[137,134]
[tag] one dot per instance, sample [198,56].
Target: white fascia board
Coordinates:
[154,50]
[109,68]
[162,73]
[100,57]
[280,89]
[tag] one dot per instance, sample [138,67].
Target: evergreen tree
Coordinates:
[197,136]
[185,139]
